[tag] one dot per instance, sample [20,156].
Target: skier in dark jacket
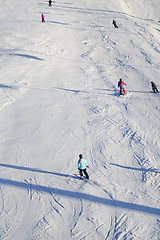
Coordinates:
[115,24]
[50,3]
[121,85]
[82,164]
[154,87]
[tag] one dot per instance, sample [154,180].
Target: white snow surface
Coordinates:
[59,98]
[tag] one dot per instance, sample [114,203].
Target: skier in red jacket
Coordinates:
[121,85]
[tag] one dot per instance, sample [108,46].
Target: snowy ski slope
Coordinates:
[59,98]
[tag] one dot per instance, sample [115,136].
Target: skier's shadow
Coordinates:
[26,56]
[37,170]
[130,91]
[58,23]
[113,92]
[7,86]
[90,92]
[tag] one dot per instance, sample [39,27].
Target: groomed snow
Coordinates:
[59,98]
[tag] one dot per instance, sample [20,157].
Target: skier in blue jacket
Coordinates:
[82,164]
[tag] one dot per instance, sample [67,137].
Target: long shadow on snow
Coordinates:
[130,91]
[137,169]
[83,196]
[26,56]
[91,10]
[136,91]
[84,91]
[115,92]
[72,90]
[35,170]
[7,86]
[58,23]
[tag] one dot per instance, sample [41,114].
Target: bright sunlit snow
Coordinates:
[59,97]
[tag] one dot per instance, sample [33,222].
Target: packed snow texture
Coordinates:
[59,97]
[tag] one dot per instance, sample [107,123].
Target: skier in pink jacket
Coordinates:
[42,17]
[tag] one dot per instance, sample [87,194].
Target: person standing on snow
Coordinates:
[50,3]
[115,24]
[42,16]
[121,85]
[82,164]
[154,87]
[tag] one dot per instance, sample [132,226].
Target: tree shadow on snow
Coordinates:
[82,196]
[36,170]
[137,169]
[143,170]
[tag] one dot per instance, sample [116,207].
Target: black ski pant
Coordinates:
[155,90]
[81,171]
[115,25]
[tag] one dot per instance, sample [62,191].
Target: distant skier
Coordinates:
[121,85]
[154,87]
[42,16]
[50,3]
[115,24]
[82,164]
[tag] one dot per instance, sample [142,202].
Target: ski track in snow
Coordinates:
[59,98]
